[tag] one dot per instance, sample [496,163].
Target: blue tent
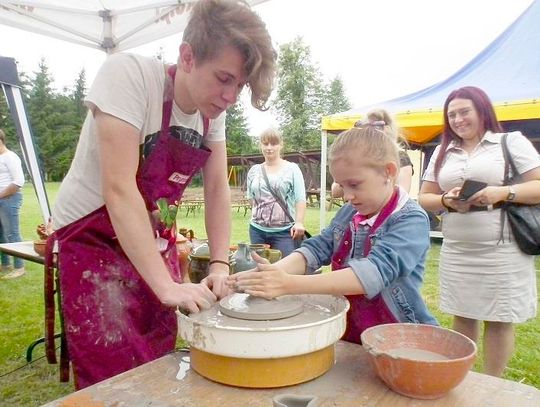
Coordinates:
[508,70]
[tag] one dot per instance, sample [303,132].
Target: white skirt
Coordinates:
[481,276]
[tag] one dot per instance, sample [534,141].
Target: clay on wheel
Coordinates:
[245,306]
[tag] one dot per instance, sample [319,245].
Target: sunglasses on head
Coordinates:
[379,124]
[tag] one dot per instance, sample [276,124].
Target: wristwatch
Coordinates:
[511,193]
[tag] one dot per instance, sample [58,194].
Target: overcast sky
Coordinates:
[381,49]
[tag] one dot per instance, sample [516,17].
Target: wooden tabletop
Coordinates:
[351,382]
[24,250]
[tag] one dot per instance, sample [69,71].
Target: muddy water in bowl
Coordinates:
[251,353]
[416,354]
[420,361]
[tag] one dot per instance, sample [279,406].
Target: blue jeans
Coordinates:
[9,225]
[281,240]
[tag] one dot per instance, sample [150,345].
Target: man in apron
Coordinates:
[150,128]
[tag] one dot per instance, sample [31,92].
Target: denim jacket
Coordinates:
[395,265]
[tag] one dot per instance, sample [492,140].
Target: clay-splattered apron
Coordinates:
[364,313]
[112,320]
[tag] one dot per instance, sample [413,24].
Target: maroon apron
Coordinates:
[111,318]
[364,313]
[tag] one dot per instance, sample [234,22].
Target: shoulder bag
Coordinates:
[280,201]
[524,219]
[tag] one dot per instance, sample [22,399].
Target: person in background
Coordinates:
[278,197]
[375,262]
[150,128]
[11,182]
[483,274]
[383,119]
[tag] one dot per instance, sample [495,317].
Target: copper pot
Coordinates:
[183,248]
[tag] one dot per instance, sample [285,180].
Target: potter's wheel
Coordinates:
[265,353]
[245,306]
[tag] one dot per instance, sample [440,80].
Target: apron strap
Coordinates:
[50,310]
[51,287]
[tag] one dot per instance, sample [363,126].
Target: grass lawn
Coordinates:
[22,316]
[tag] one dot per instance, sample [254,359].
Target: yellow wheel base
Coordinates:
[259,373]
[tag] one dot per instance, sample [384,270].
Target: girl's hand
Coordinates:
[269,281]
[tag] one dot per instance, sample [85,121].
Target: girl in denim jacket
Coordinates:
[376,243]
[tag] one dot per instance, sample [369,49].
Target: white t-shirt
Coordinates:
[484,163]
[129,87]
[10,170]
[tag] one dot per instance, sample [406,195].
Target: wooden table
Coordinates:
[351,382]
[24,250]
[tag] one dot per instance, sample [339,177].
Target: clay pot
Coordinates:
[294,400]
[184,248]
[242,259]
[187,233]
[198,263]
[39,247]
[272,255]
[253,246]
[420,361]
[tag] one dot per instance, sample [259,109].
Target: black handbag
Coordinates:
[524,219]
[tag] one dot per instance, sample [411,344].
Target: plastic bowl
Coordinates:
[419,361]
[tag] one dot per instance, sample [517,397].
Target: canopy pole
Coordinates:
[8,80]
[322,202]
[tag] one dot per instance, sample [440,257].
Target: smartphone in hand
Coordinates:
[469,188]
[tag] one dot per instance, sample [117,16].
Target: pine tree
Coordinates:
[238,140]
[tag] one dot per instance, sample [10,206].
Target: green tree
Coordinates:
[40,106]
[299,102]
[6,124]
[335,100]
[55,120]
[238,140]
[78,94]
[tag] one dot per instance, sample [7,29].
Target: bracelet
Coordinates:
[443,203]
[220,262]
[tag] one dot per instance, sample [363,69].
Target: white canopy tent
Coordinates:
[108,25]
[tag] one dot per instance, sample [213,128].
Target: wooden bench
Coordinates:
[192,205]
[333,201]
[244,204]
[313,197]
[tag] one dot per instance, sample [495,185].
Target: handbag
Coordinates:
[524,219]
[281,202]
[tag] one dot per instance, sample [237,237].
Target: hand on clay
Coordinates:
[269,281]
[217,282]
[189,297]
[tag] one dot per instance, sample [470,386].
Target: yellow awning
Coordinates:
[422,126]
